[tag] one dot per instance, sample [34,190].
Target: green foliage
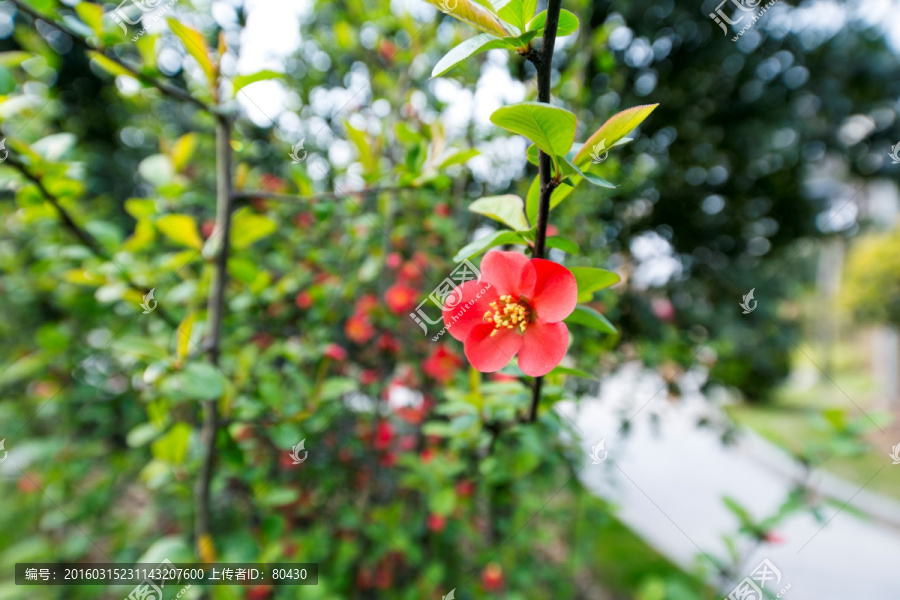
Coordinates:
[871,289]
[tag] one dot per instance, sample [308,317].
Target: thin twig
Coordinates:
[163,87]
[83,236]
[215,315]
[543,63]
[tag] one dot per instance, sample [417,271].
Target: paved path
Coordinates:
[668,478]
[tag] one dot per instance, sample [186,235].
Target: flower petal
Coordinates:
[543,347]
[460,316]
[555,291]
[510,272]
[488,354]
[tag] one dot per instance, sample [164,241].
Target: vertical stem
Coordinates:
[544,66]
[215,315]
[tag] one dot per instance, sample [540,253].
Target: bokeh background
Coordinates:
[731,437]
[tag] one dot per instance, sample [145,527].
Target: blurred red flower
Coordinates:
[436,523]
[492,577]
[366,304]
[516,308]
[394,260]
[388,343]
[358,329]
[401,298]
[384,434]
[304,300]
[442,364]
[335,352]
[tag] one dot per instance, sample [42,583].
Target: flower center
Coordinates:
[508,313]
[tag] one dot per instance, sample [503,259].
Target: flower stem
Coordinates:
[543,62]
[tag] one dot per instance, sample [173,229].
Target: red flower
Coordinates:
[516,308]
[492,577]
[394,260]
[436,523]
[400,298]
[442,364]
[366,304]
[335,352]
[358,329]
[368,376]
[388,343]
[384,434]
[304,300]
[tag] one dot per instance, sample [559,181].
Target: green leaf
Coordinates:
[472,46]
[108,65]
[173,446]
[507,209]
[591,279]
[241,81]
[587,316]
[498,238]
[472,13]
[561,370]
[183,338]
[248,227]
[140,208]
[518,12]
[195,44]
[563,244]
[458,158]
[616,127]
[181,229]
[183,150]
[551,128]
[568,23]
[91,14]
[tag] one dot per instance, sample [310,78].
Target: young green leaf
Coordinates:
[242,81]
[108,65]
[498,238]
[472,46]
[615,128]
[181,229]
[518,12]
[590,279]
[587,316]
[560,243]
[568,23]
[472,13]
[249,227]
[551,128]
[195,44]
[508,209]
